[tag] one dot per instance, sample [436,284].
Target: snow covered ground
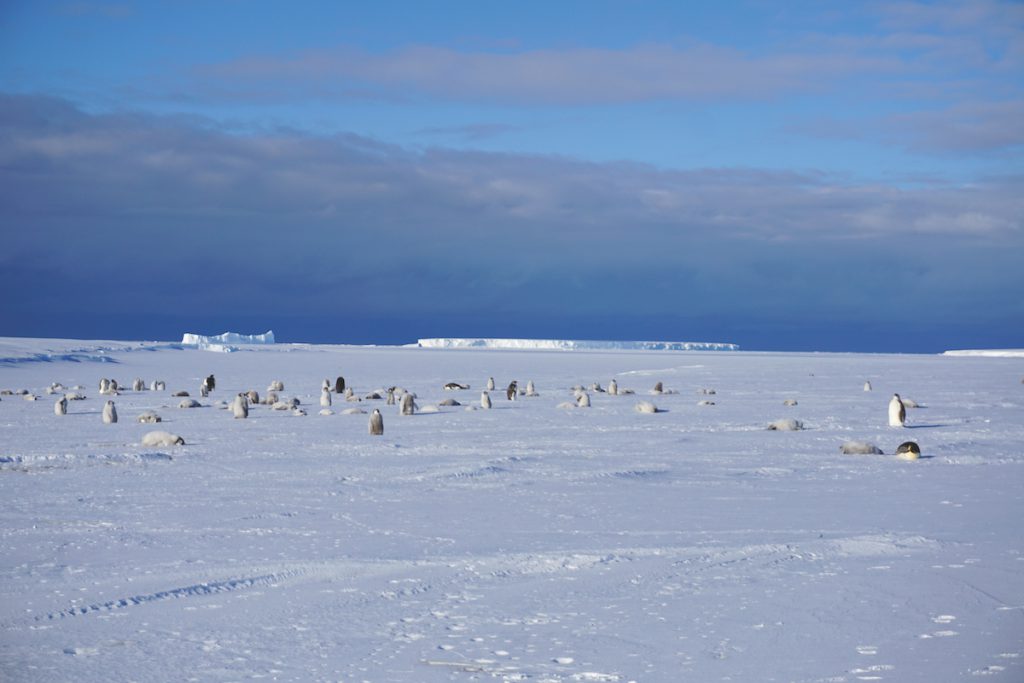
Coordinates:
[522,543]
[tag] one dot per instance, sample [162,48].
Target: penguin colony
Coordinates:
[241,403]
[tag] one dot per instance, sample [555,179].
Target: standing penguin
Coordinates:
[490,384]
[485,400]
[513,389]
[867,386]
[613,387]
[897,412]
[109,413]
[61,406]
[376,423]
[408,404]
[240,407]
[325,397]
[339,385]
[391,396]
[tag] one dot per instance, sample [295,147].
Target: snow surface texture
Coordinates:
[522,543]
[227,342]
[572,345]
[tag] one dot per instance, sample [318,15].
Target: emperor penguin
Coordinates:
[325,397]
[211,382]
[408,404]
[391,396]
[583,400]
[867,386]
[485,400]
[513,389]
[109,413]
[908,450]
[897,412]
[339,385]
[613,387]
[204,389]
[531,390]
[253,397]
[138,384]
[240,407]
[658,388]
[376,423]
[161,438]
[490,384]
[61,406]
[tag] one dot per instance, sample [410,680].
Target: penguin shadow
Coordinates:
[925,426]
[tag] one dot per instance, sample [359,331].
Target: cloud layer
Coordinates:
[174,217]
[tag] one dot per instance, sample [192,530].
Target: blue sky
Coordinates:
[805,176]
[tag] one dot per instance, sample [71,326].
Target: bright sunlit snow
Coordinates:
[519,543]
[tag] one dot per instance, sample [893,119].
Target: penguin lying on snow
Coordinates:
[860,448]
[162,439]
[786,425]
[908,450]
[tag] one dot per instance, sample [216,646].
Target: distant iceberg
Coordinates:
[573,345]
[225,343]
[988,353]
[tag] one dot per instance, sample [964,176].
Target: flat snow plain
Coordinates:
[523,543]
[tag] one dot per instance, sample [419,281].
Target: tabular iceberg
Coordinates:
[224,342]
[573,345]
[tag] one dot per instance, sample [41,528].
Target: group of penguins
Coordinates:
[240,405]
[908,450]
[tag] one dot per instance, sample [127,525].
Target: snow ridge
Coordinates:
[572,345]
